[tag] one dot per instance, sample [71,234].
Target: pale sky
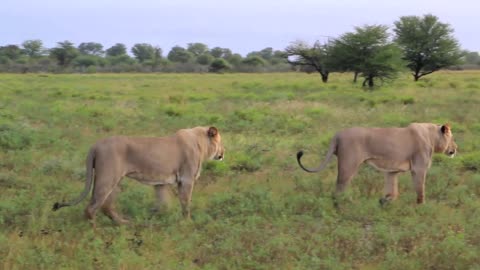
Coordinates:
[243,26]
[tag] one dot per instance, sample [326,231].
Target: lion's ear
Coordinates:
[445,128]
[212,132]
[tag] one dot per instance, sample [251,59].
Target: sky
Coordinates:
[242,26]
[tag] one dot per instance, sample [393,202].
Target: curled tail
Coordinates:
[88,183]
[332,150]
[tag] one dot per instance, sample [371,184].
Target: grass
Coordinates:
[257,209]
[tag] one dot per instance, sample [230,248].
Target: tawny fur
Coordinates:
[391,150]
[156,161]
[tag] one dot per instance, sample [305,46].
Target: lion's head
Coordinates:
[216,149]
[446,143]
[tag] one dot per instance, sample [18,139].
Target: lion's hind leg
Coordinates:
[104,186]
[109,210]
[346,171]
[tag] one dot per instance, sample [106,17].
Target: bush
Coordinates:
[219,65]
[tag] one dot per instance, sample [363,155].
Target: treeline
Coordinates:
[422,45]
[91,57]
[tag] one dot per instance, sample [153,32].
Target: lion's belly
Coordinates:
[389,165]
[152,179]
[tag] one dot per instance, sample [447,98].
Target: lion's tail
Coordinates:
[332,150]
[88,183]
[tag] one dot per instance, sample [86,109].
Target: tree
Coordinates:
[345,54]
[157,57]
[472,58]
[266,53]
[219,65]
[427,44]
[205,59]
[179,54]
[368,52]
[197,49]
[301,54]
[117,50]
[12,52]
[85,60]
[234,59]
[33,48]
[91,48]
[278,57]
[254,60]
[64,53]
[143,52]
[218,52]
[123,59]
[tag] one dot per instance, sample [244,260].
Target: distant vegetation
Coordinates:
[420,44]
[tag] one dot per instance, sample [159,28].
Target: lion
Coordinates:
[391,150]
[155,161]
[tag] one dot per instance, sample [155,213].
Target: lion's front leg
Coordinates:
[185,189]
[390,189]
[418,177]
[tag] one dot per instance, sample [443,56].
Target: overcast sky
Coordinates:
[242,26]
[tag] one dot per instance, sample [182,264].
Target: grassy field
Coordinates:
[255,210]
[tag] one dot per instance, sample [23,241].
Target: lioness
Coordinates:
[160,161]
[391,150]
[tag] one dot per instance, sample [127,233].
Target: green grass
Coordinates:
[257,209]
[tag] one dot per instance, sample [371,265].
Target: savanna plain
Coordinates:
[256,209]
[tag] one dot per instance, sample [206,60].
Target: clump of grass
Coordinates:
[244,162]
[14,137]
[173,111]
[216,168]
[407,100]
[471,161]
[233,205]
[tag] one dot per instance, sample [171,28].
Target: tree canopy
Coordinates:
[64,53]
[117,50]
[366,51]
[300,53]
[428,44]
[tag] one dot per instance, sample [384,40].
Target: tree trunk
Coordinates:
[416,75]
[355,76]
[370,81]
[324,77]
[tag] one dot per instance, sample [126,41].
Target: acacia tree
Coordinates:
[117,50]
[367,52]
[197,49]
[12,52]
[91,48]
[65,52]
[157,57]
[300,53]
[179,54]
[427,44]
[33,48]
[143,52]
[219,52]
